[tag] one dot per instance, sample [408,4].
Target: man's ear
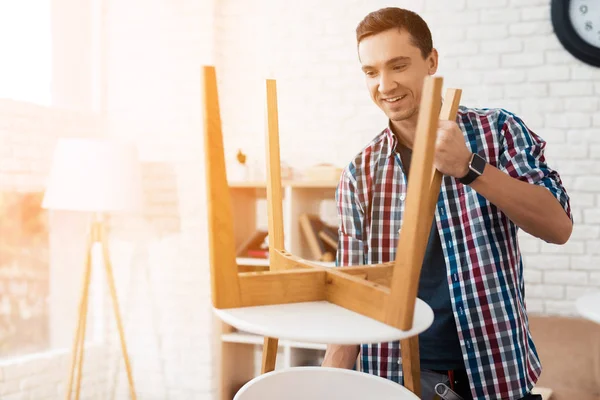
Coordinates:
[432,61]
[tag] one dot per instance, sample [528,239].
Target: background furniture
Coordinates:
[588,306]
[569,349]
[299,197]
[322,238]
[241,351]
[94,176]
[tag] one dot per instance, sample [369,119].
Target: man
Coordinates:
[472,274]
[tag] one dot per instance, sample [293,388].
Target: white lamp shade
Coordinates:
[97,175]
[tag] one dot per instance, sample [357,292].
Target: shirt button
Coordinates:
[455,277]
[398,362]
[402,197]
[441,211]
[449,245]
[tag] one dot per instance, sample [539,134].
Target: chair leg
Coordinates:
[411,365]
[269,354]
[275,206]
[223,266]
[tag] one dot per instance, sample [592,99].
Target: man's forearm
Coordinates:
[531,207]
[338,356]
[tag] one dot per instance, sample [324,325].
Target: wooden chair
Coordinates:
[301,300]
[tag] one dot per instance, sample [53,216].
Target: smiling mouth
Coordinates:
[392,100]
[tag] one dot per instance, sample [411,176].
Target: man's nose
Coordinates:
[386,84]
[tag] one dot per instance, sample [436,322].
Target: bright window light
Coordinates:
[26,51]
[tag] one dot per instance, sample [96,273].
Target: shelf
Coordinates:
[240,351]
[303,345]
[248,184]
[314,184]
[240,337]
[249,338]
[294,184]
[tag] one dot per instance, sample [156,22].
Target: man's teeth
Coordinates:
[394,99]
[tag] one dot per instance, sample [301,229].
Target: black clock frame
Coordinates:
[563,28]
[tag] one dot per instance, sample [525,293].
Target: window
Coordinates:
[23,273]
[26,49]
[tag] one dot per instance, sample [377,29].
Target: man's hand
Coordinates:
[451,153]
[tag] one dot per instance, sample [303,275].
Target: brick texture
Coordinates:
[155,51]
[28,134]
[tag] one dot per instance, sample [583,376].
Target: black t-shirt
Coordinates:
[439,346]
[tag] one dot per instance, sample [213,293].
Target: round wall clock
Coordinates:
[577,26]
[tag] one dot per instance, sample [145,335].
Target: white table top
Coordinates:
[321,322]
[322,383]
[588,306]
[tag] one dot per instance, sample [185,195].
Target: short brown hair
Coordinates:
[399,18]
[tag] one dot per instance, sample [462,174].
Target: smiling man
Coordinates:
[496,181]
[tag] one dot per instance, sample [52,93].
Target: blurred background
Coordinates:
[130,71]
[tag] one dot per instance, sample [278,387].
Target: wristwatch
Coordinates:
[476,167]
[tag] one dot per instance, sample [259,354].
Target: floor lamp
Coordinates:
[96,177]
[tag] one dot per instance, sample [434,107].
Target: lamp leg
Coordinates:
[78,342]
[74,358]
[113,293]
[82,334]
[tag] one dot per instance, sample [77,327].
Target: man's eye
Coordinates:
[399,67]
[370,73]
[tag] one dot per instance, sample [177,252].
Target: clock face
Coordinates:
[585,17]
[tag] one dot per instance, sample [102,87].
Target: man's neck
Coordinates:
[404,131]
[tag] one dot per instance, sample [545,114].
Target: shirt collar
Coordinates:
[392,142]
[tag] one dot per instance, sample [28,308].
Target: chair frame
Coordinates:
[384,292]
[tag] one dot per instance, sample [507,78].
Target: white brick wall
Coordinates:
[502,53]
[28,134]
[44,376]
[155,51]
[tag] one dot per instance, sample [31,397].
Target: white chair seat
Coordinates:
[321,322]
[588,306]
[320,383]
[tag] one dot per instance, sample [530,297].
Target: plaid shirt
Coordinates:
[479,242]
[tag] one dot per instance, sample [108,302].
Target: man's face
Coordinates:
[394,71]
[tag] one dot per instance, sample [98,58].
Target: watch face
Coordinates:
[585,18]
[477,164]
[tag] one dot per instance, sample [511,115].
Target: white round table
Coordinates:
[588,306]
[322,383]
[321,322]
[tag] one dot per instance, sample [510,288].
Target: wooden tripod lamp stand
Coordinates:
[94,176]
[300,300]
